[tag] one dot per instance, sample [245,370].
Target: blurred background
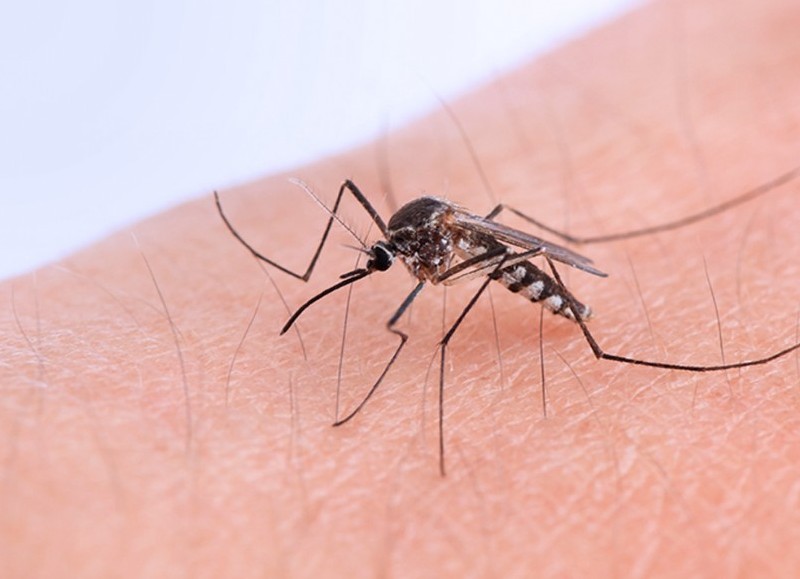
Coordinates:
[113,110]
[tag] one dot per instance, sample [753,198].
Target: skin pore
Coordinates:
[142,433]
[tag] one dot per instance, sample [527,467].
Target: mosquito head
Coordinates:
[381,256]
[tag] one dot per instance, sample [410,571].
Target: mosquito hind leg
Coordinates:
[306,275]
[601,354]
[500,207]
[740,199]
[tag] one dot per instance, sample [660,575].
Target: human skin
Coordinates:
[141,435]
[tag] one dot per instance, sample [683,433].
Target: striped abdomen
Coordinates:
[521,278]
[532,283]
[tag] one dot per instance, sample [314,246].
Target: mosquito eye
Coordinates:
[383,258]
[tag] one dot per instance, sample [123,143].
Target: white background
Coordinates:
[112,110]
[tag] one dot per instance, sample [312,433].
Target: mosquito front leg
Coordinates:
[403,338]
[750,195]
[305,276]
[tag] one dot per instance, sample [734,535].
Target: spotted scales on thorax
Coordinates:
[430,235]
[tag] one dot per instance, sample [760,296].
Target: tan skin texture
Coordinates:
[121,457]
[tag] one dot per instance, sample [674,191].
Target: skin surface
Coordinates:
[141,435]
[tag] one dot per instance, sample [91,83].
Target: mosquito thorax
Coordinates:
[420,234]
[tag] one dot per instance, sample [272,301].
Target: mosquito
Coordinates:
[442,243]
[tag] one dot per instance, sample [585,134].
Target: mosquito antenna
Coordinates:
[304,186]
[363,250]
[350,277]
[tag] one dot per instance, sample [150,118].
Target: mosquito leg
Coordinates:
[602,354]
[479,265]
[403,338]
[541,362]
[443,358]
[754,193]
[489,256]
[475,266]
[346,186]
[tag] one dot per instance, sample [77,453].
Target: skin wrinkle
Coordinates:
[709,491]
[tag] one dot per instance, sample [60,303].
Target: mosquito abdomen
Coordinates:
[532,283]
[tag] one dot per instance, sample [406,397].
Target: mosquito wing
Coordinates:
[524,240]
